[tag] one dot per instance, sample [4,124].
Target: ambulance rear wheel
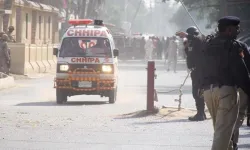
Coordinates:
[61,96]
[112,96]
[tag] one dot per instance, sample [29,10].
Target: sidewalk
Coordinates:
[6,81]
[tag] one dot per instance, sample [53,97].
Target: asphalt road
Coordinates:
[30,118]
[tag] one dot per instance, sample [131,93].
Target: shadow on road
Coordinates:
[157,122]
[72,103]
[164,115]
[173,90]
[138,114]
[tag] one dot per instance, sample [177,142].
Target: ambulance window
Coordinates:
[85,47]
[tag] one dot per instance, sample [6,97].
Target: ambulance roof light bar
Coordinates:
[80,22]
[76,22]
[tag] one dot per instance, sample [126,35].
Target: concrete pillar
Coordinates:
[34,26]
[19,24]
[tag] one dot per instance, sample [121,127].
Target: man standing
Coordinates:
[9,33]
[163,43]
[194,45]
[243,98]
[149,49]
[142,47]
[181,48]
[225,71]
[172,53]
[159,48]
[4,54]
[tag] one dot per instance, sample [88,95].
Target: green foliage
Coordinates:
[115,12]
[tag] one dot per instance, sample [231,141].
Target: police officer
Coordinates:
[225,72]
[194,48]
[243,98]
[4,54]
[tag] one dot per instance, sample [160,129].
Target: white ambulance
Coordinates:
[87,62]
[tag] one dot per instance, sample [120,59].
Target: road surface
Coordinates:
[30,118]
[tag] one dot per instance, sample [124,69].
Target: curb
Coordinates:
[7,82]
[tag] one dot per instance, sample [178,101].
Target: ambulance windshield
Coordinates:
[85,47]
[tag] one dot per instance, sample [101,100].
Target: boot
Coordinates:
[235,146]
[197,117]
[205,116]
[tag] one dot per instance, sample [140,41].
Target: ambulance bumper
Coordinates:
[85,82]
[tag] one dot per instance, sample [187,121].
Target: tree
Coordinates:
[117,12]
[81,9]
[181,19]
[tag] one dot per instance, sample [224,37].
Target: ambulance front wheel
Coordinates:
[112,96]
[61,96]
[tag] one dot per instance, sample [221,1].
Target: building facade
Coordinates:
[35,23]
[36,33]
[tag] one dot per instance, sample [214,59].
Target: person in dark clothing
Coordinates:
[163,43]
[243,98]
[193,50]
[247,60]
[142,47]
[225,73]
[9,33]
[166,49]
[4,53]
[159,48]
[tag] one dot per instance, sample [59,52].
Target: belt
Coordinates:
[208,87]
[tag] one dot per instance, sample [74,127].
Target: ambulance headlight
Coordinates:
[107,68]
[64,67]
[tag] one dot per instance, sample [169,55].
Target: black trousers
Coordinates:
[199,101]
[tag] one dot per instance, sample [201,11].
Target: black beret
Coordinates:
[229,21]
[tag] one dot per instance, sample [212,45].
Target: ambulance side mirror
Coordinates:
[55,51]
[116,52]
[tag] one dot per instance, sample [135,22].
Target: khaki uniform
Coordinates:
[243,104]
[4,57]
[223,106]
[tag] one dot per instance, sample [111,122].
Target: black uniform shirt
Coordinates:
[193,52]
[239,66]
